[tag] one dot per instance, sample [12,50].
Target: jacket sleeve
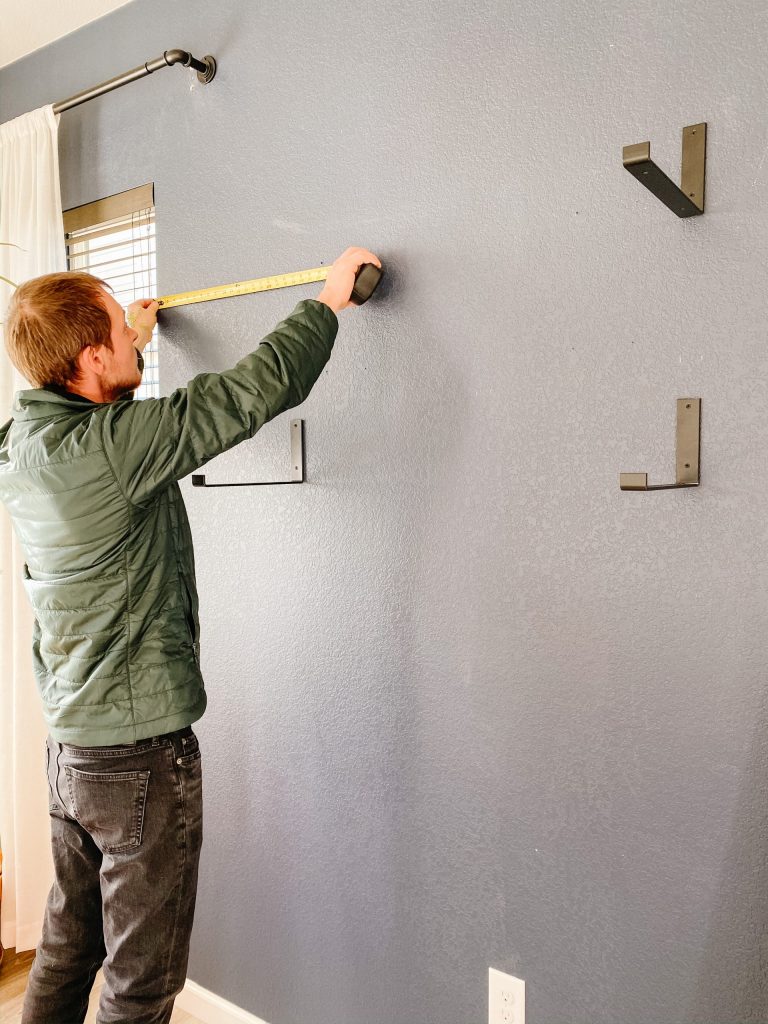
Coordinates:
[155,441]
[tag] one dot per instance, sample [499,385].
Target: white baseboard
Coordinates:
[210,1008]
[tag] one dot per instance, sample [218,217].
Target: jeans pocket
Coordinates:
[52,803]
[109,806]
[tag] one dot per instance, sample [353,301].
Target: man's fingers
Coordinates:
[360,256]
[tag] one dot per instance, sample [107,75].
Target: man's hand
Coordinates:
[341,278]
[142,317]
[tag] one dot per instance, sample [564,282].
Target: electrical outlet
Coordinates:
[506,998]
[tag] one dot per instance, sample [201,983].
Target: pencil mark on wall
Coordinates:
[287,225]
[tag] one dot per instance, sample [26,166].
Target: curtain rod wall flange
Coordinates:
[205,67]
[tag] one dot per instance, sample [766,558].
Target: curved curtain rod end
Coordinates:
[206,68]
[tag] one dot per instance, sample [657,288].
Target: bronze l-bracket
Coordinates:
[297,463]
[688,200]
[688,450]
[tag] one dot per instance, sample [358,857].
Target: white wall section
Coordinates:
[28,26]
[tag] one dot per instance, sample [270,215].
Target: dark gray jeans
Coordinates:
[126,828]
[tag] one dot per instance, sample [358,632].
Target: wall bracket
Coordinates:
[688,449]
[298,468]
[688,200]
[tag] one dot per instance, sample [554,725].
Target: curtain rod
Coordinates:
[206,69]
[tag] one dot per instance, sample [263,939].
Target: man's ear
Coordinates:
[91,360]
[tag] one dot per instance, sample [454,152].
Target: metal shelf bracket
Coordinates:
[688,449]
[688,200]
[297,464]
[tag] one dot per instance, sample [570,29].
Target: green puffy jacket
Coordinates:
[92,492]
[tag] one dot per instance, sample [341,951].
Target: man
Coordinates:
[90,479]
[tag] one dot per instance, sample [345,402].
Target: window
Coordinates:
[114,239]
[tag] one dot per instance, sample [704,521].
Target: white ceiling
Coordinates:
[30,24]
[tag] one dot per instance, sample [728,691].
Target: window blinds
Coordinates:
[114,239]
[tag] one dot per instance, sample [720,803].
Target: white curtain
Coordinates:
[30,217]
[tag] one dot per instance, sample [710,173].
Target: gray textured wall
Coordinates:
[470,704]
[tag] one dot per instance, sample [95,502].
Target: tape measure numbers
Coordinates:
[366,281]
[256,284]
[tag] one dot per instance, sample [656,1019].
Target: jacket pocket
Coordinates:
[109,806]
[188,607]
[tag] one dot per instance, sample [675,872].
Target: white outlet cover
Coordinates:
[506,998]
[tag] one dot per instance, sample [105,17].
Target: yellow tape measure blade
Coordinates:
[256,284]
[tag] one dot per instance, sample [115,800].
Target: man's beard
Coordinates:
[113,389]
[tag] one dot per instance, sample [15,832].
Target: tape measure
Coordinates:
[366,282]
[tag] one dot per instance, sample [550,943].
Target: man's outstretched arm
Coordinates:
[151,443]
